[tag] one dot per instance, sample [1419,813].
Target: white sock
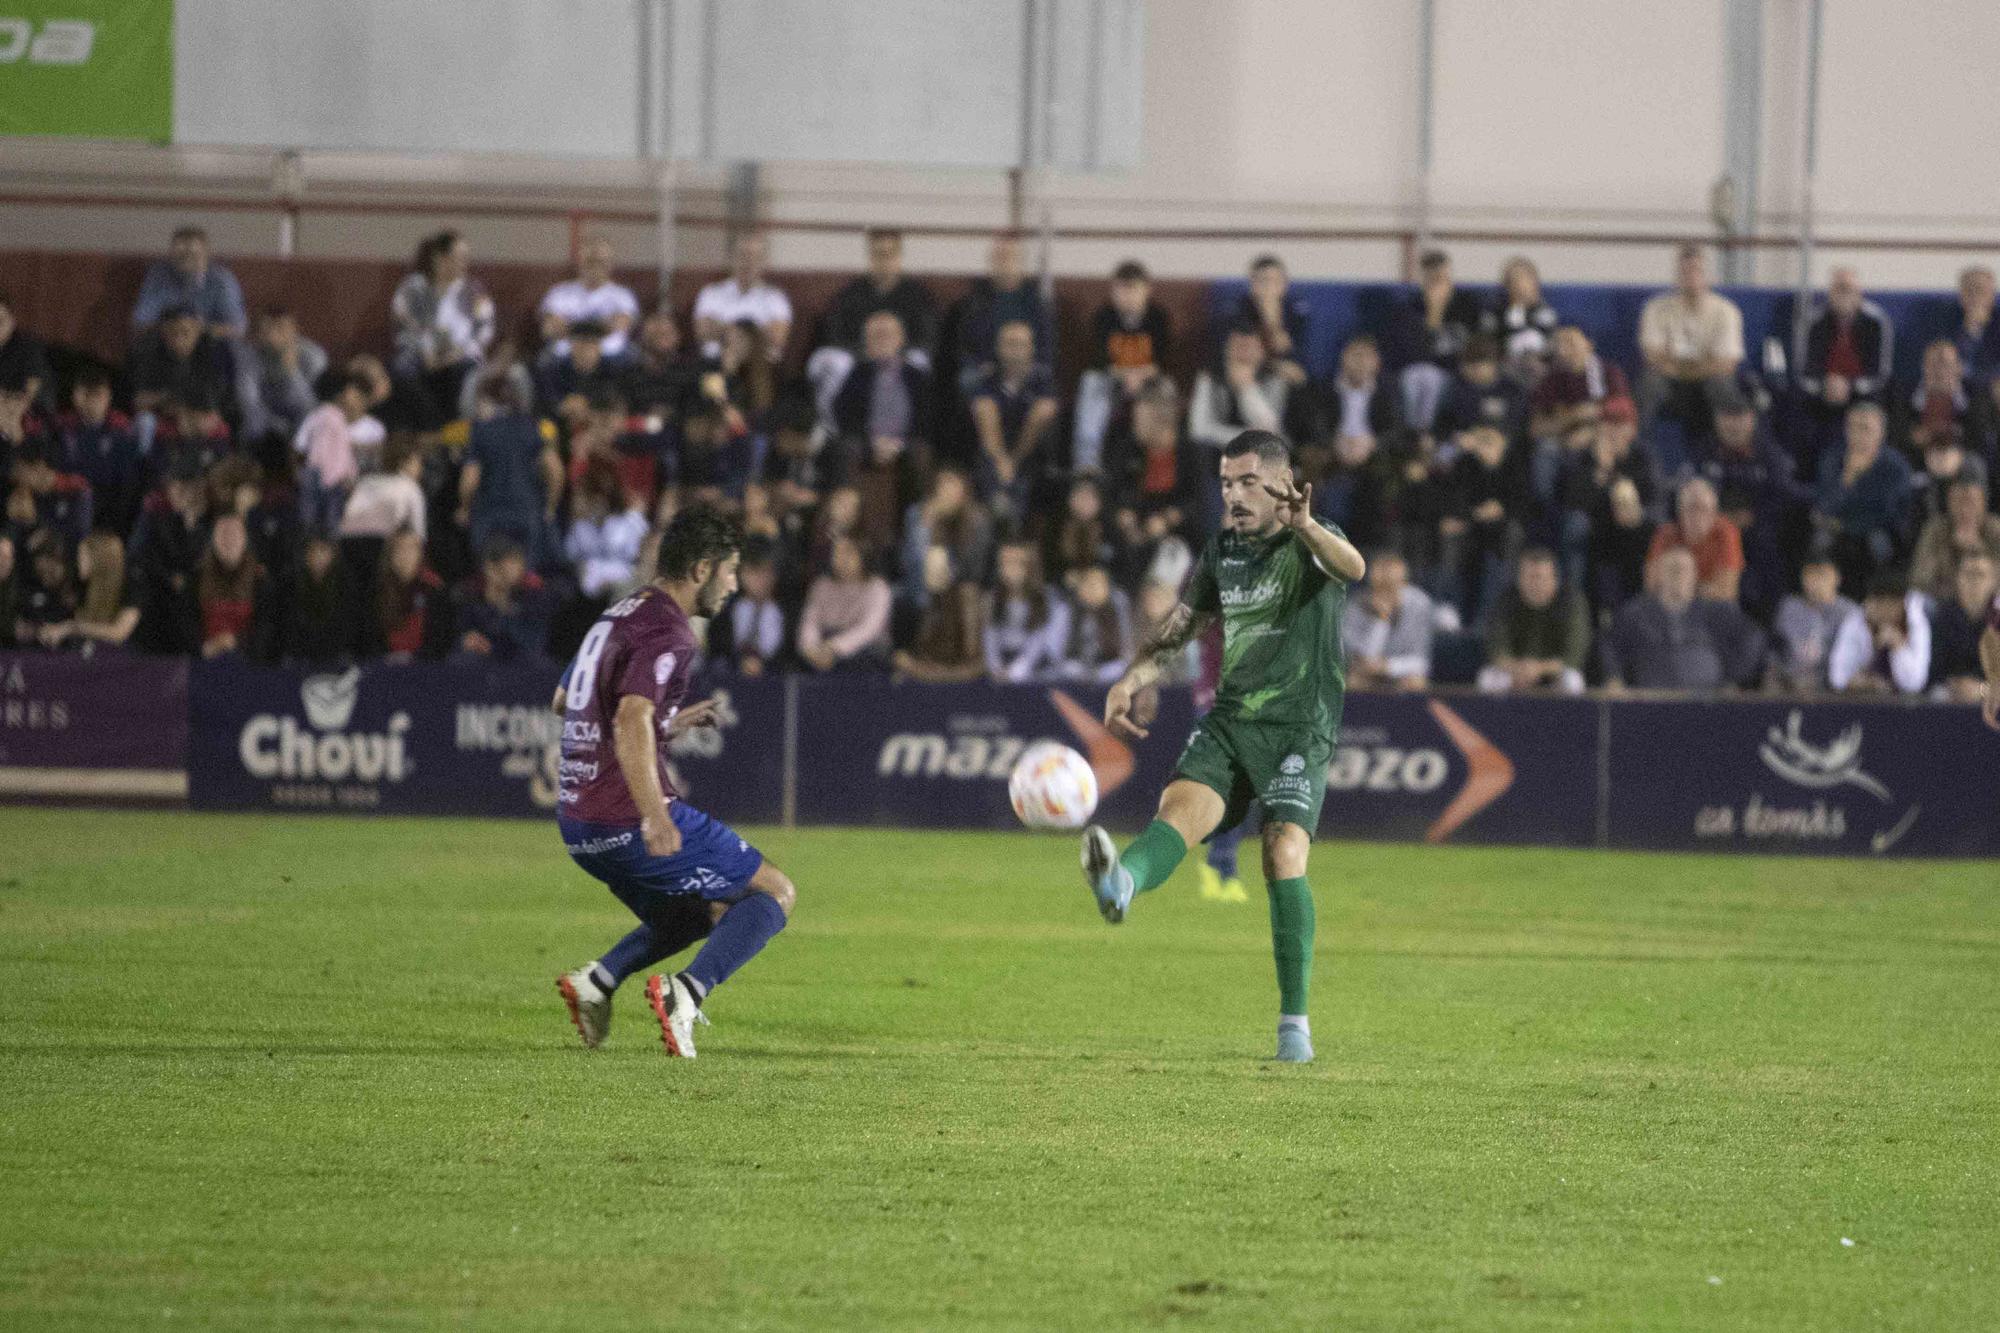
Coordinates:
[1299,1021]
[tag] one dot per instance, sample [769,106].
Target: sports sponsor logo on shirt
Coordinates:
[1260,593]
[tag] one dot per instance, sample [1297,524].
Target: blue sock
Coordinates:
[1222,851]
[650,943]
[744,929]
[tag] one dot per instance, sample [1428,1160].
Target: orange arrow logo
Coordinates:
[1488,773]
[1110,758]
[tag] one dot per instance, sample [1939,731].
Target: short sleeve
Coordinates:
[1201,596]
[649,664]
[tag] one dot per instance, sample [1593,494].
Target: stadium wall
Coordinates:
[1741,774]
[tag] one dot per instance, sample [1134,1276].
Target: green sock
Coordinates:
[1153,855]
[1292,942]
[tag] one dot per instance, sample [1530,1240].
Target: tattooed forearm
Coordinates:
[1174,634]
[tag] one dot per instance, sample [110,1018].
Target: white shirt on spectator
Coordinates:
[572,301]
[383,504]
[728,301]
[759,628]
[604,550]
[1909,666]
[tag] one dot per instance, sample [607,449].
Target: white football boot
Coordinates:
[678,1011]
[589,1005]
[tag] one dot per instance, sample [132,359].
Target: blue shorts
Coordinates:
[713,863]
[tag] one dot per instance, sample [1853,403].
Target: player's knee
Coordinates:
[776,885]
[1285,847]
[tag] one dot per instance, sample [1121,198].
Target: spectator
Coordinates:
[1159,488]
[1366,413]
[1013,410]
[1098,646]
[744,296]
[502,614]
[58,501]
[187,280]
[796,470]
[108,610]
[190,425]
[230,591]
[511,476]
[1964,530]
[1692,339]
[317,624]
[1808,624]
[750,633]
[1130,336]
[444,325]
[1752,477]
[1668,639]
[20,425]
[10,593]
[1157,600]
[947,517]
[1575,388]
[179,360]
[845,622]
[838,517]
[1482,396]
[412,612]
[1003,297]
[49,597]
[590,295]
[1084,534]
[1863,494]
[1026,626]
[605,533]
[1520,320]
[1941,409]
[568,378]
[744,384]
[1539,631]
[1956,673]
[1974,333]
[1238,393]
[1616,554]
[1849,346]
[1425,336]
[284,365]
[658,378]
[884,287]
[23,359]
[325,446]
[1887,650]
[101,446]
[387,502]
[884,414]
[167,553]
[1612,452]
[1279,318]
[1386,629]
[369,433]
[946,646]
[1484,499]
[1700,529]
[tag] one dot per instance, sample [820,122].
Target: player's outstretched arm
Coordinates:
[639,761]
[1172,637]
[1335,554]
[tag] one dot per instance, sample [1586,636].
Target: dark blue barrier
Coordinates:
[1855,779]
[1609,314]
[111,725]
[433,739]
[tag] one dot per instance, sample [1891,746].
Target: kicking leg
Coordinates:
[1285,848]
[670,925]
[1189,812]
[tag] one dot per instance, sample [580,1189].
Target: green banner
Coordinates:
[96,69]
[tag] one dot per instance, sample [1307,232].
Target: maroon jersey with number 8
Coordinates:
[644,645]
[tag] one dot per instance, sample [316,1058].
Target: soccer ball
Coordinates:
[1052,787]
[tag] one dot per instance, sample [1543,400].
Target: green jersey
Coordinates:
[1281,656]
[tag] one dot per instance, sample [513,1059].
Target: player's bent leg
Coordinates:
[1286,846]
[1188,811]
[769,879]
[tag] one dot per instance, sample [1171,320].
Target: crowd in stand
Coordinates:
[927,498]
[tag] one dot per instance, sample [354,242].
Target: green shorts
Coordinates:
[1273,762]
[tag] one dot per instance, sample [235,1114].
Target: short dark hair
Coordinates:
[1130,271]
[698,533]
[885,234]
[1269,447]
[1891,582]
[1539,555]
[191,234]
[1480,347]
[1433,259]
[1266,261]
[90,377]
[589,328]
[178,311]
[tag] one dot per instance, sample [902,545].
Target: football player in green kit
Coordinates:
[1277,577]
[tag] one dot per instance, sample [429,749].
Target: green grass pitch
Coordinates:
[269,1073]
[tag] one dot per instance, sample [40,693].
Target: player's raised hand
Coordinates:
[1294,504]
[707,713]
[1118,713]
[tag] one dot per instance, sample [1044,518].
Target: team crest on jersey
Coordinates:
[1294,764]
[663,667]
